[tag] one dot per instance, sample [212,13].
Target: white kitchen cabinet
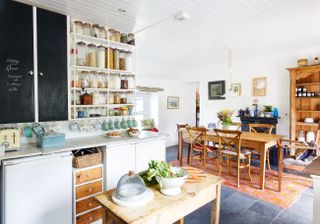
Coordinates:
[120,159]
[150,150]
[37,190]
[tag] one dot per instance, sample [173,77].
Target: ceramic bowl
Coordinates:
[308,120]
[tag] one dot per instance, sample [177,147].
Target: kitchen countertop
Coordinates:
[78,143]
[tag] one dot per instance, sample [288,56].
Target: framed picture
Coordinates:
[259,86]
[216,89]
[172,102]
[236,88]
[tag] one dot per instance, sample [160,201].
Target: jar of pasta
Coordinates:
[116,58]
[102,32]
[101,57]
[117,99]
[91,56]
[117,36]
[81,57]
[109,58]
[111,34]
[87,29]
[78,27]
[123,60]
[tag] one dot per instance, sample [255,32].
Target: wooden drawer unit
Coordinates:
[90,217]
[85,205]
[84,176]
[88,189]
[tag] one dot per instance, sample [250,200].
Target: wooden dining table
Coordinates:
[259,141]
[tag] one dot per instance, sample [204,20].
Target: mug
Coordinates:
[130,123]
[110,125]
[124,124]
[27,131]
[117,124]
[105,126]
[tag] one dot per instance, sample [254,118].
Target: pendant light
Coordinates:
[229,92]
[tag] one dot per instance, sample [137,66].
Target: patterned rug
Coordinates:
[293,185]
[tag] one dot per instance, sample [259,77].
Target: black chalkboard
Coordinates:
[52,66]
[16,60]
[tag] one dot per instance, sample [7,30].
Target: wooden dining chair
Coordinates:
[198,145]
[185,140]
[262,128]
[230,149]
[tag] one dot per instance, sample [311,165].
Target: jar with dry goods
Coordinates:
[101,81]
[78,27]
[131,39]
[87,29]
[117,99]
[81,57]
[95,31]
[131,82]
[102,32]
[116,81]
[117,36]
[111,98]
[122,60]
[111,34]
[124,82]
[91,56]
[129,61]
[123,99]
[109,58]
[124,38]
[116,59]
[101,57]
[84,79]
[93,82]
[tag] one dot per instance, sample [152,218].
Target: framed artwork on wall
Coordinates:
[236,88]
[172,102]
[216,89]
[259,86]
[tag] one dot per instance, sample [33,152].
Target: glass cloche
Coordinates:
[131,191]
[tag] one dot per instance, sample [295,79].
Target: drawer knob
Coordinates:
[90,204]
[90,218]
[90,189]
[88,175]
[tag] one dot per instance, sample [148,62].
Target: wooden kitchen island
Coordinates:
[166,209]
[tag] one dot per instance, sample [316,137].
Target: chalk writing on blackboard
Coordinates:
[14,79]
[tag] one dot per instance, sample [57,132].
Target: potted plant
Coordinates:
[225,116]
[267,110]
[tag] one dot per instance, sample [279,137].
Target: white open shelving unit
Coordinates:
[102,109]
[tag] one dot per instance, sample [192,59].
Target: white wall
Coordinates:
[271,66]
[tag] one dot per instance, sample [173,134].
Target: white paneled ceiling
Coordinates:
[249,27]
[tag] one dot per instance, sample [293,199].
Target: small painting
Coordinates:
[259,86]
[216,90]
[172,102]
[236,88]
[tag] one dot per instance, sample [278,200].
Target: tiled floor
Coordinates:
[239,208]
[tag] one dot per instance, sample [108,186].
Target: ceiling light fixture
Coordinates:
[181,16]
[230,92]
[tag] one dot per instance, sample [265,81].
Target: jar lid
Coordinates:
[102,28]
[93,72]
[101,73]
[95,25]
[101,46]
[111,30]
[78,22]
[92,45]
[124,34]
[87,24]
[81,43]
[131,34]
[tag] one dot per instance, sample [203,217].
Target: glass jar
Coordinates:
[130,98]
[123,99]
[93,82]
[84,79]
[124,38]
[87,29]
[123,60]
[109,58]
[131,82]
[95,31]
[78,27]
[81,58]
[101,57]
[77,82]
[116,81]
[129,62]
[116,99]
[116,58]
[102,32]
[111,34]
[111,98]
[131,39]
[101,83]
[111,83]
[124,82]
[91,56]
[117,36]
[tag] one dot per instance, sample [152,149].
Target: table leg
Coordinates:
[181,221]
[280,167]
[180,147]
[263,150]
[106,218]
[215,212]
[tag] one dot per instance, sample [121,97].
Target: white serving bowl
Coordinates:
[172,186]
[308,120]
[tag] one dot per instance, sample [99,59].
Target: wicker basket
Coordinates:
[87,160]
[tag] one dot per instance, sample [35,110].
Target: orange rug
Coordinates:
[293,185]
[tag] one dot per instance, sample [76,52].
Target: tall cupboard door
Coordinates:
[16,63]
[147,151]
[52,66]
[120,159]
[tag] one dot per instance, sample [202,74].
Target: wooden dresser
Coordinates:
[88,182]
